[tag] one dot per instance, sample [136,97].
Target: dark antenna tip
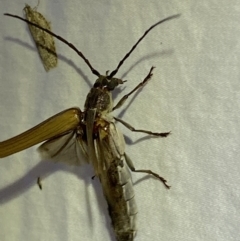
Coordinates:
[139,40]
[94,71]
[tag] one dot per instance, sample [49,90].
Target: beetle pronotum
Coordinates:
[94,130]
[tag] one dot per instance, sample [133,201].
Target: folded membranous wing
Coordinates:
[68,148]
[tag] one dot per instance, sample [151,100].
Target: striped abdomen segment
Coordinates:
[116,179]
[121,201]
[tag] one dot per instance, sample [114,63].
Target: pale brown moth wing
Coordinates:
[44,41]
[65,148]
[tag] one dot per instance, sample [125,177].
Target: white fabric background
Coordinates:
[194,94]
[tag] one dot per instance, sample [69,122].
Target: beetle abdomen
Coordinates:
[121,200]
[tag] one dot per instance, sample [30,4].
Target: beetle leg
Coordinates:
[132,168]
[140,85]
[164,134]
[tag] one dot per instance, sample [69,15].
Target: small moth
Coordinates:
[44,42]
[92,133]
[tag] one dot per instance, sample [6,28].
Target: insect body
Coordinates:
[44,42]
[106,149]
[94,130]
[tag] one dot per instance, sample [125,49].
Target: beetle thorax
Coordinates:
[100,96]
[99,99]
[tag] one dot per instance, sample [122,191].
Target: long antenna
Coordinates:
[94,71]
[136,44]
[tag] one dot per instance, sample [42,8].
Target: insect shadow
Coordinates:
[129,141]
[44,169]
[79,71]
[146,57]
[60,57]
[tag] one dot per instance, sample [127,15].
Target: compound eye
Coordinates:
[96,85]
[111,86]
[114,83]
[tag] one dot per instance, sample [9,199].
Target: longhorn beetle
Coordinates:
[95,132]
